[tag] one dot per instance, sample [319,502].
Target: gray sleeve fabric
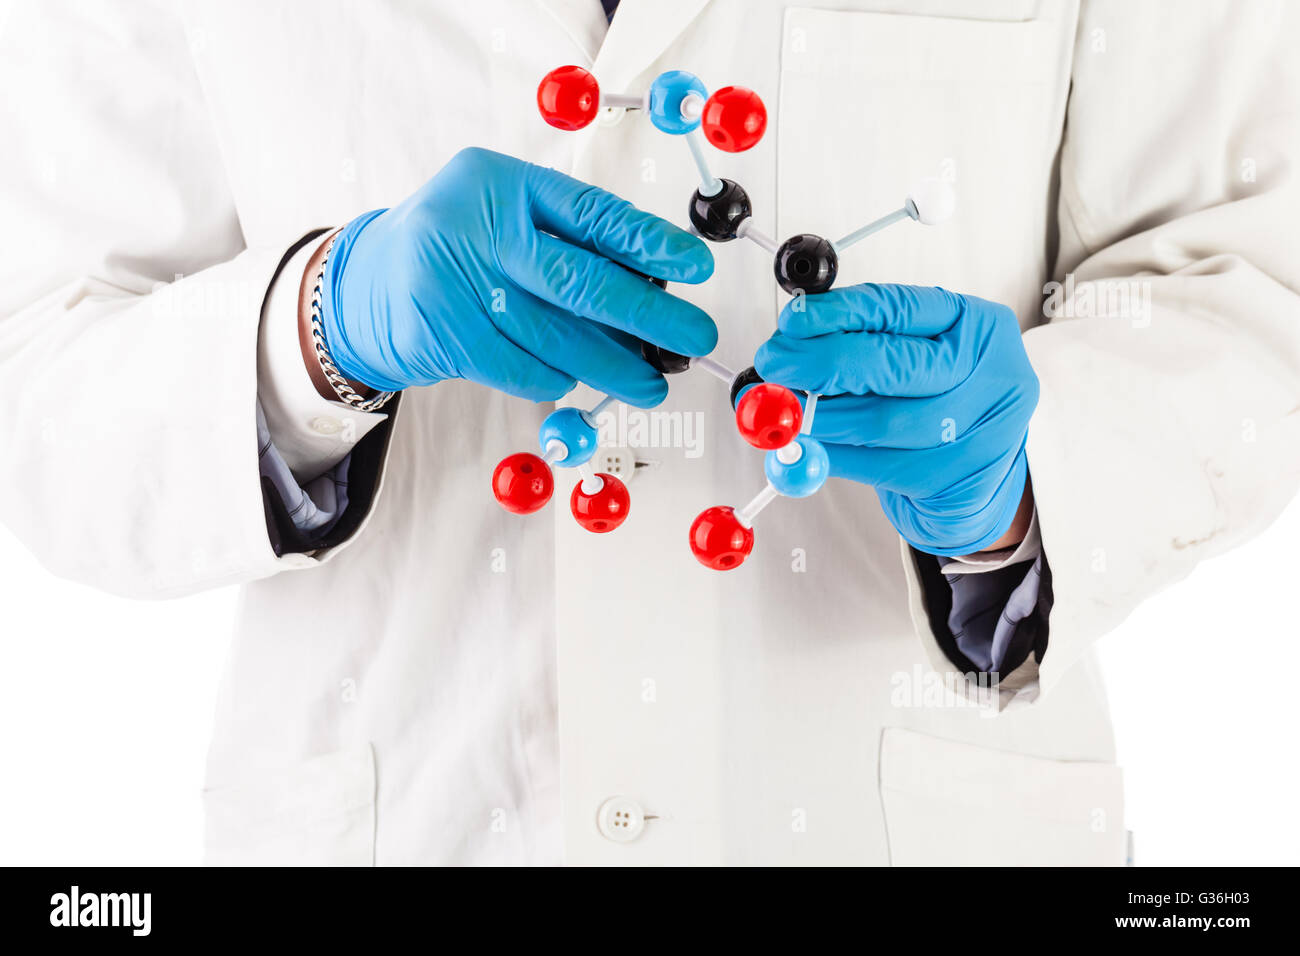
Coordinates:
[987,608]
[315,507]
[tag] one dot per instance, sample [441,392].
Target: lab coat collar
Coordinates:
[640,32]
[583,20]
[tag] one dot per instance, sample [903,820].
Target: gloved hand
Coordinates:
[500,272]
[932,395]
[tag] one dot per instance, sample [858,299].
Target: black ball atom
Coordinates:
[661,283]
[742,381]
[717,217]
[663,361]
[806,263]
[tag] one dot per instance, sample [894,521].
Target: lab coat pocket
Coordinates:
[320,812]
[872,102]
[950,803]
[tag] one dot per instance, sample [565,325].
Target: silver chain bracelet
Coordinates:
[337,380]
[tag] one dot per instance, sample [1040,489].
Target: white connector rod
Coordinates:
[622,101]
[748,230]
[716,369]
[790,453]
[809,410]
[710,185]
[603,404]
[869,228]
[555,450]
[930,202]
[761,500]
[591,482]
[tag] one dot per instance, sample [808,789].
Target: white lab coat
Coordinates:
[457,684]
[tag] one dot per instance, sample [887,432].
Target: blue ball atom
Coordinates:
[575,428]
[666,95]
[800,478]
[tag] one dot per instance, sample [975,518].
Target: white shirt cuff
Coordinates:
[1030,547]
[311,433]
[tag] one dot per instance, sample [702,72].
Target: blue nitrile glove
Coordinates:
[500,272]
[932,397]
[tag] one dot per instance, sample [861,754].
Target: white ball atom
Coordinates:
[932,201]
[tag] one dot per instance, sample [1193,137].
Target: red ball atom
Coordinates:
[734,119]
[604,510]
[769,416]
[718,539]
[522,483]
[568,97]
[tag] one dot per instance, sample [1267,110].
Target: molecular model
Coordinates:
[768,416]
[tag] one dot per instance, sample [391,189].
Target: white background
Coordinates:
[107,704]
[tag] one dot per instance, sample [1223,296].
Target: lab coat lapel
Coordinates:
[583,20]
[641,30]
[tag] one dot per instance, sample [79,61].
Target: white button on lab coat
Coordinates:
[457,684]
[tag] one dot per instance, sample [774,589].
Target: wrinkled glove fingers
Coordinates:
[930,474]
[593,287]
[923,311]
[865,363]
[579,348]
[501,364]
[601,222]
[975,409]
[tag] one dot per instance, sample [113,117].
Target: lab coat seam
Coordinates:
[213,129]
[881,790]
[1076,215]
